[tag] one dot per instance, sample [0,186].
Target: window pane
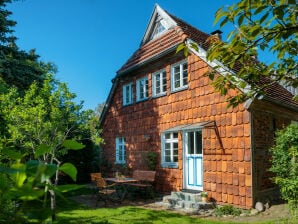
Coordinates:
[157,90]
[175,145]
[175,159]
[199,142]
[120,153]
[164,82]
[167,152]
[146,88]
[167,135]
[175,134]
[175,152]
[167,159]
[177,78]
[167,146]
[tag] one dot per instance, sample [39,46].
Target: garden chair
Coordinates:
[105,192]
[93,177]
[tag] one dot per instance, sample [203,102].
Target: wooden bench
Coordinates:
[145,180]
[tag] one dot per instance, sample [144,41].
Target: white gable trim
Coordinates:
[221,69]
[168,22]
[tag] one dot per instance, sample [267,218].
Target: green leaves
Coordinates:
[259,26]
[12,154]
[70,170]
[72,145]
[285,163]
[41,150]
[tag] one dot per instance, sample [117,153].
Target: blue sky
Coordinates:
[89,40]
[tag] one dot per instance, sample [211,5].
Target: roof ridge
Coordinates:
[178,19]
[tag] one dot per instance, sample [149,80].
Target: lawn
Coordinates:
[73,212]
[127,214]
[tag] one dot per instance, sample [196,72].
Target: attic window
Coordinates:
[159,28]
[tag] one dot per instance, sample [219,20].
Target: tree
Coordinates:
[259,25]
[285,164]
[24,181]
[40,124]
[17,67]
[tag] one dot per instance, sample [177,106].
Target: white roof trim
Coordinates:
[221,69]
[168,22]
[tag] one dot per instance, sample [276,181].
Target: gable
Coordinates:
[159,23]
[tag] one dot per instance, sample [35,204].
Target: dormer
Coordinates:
[160,22]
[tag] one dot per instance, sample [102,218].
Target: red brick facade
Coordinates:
[227,172]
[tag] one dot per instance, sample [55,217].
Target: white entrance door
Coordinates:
[193,160]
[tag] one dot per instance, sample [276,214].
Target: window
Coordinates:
[120,150]
[158,29]
[142,89]
[170,149]
[127,94]
[179,76]
[159,83]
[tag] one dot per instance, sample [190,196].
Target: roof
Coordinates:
[177,32]
[277,93]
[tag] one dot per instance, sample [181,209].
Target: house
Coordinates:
[162,102]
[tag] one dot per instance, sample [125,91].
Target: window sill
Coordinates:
[126,105]
[179,89]
[159,95]
[169,165]
[142,100]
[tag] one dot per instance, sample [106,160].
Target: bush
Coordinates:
[285,164]
[227,210]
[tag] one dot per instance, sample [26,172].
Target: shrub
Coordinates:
[227,210]
[285,164]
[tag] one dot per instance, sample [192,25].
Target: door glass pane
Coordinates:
[199,142]
[190,143]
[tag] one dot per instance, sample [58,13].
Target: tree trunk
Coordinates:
[53,204]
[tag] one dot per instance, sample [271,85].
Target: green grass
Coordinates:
[127,214]
[70,212]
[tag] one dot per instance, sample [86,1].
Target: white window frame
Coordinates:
[120,151]
[127,96]
[155,79]
[181,76]
[171,141]
[142,88]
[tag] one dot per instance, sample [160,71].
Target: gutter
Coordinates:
[142,63]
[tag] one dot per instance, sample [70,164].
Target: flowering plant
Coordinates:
[204,194]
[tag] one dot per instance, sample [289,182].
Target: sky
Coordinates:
[89,40]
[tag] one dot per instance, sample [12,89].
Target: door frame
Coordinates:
[185,164]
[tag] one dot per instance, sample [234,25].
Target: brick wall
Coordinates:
[227,170]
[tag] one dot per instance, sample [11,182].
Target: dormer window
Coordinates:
[159,28]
